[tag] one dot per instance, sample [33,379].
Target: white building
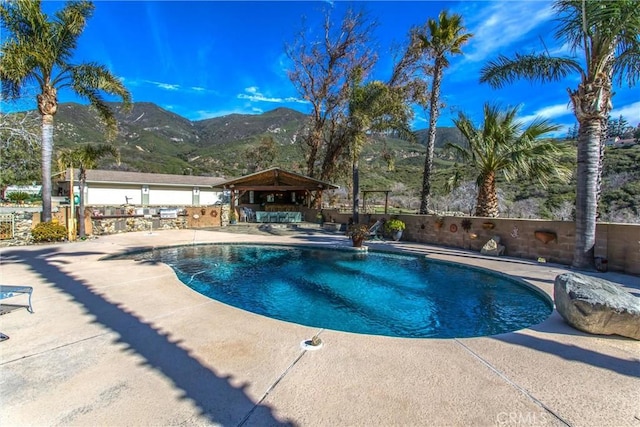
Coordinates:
[115,188]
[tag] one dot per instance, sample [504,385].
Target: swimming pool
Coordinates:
[368,293]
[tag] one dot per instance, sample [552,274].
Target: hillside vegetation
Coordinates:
[152,139]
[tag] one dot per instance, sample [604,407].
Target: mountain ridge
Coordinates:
[155,140]
[152,139]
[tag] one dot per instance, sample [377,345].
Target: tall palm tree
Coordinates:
[503,145]
[373,107]
[606,34]
[38,50]
[83,157]
[444,37]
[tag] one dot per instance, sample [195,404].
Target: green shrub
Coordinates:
[49,232]
[18,196]
[394,225]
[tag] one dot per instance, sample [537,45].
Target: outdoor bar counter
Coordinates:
[278,216]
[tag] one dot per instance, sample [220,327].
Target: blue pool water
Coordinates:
[373,293]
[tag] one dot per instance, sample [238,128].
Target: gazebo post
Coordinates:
[386,202]
[233,204]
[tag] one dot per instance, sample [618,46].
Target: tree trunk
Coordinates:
[314,142]
[82,232]
[434,112]
[586,192]
[591,104]
[334,150]
[47,106]
[487,204]
[356,191]
[47,153]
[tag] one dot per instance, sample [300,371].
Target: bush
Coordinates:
[393,225]
[49,232]
[18,196]
[358,231]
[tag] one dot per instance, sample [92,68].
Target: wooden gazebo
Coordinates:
[275,195]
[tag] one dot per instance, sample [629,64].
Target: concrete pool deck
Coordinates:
[120,342]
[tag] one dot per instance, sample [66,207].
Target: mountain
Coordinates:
[443,135]
[283,124]
[151,139]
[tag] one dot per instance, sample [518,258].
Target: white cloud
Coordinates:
[630,112]
[130,83]
[501,24]
[282,65]
[167,86]
[557,110]
[171,87]
[550,112]
[564,50]
[254,95]
[210,114]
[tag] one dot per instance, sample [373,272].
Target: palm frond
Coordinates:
[90,80]
[539,127]
[455,179]
[627,64]
[543,68]
[445,36]
[505,145]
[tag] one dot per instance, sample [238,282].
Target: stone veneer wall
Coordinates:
[23,223]
[106,220]
[619,244]
[189,217]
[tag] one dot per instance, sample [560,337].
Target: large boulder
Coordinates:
[493,247]
[597,306]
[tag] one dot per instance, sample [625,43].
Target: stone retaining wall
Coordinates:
[618,244]
[22,225]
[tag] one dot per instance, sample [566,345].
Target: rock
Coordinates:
[493,247]
[597,306]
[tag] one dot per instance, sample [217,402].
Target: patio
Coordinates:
[125,343]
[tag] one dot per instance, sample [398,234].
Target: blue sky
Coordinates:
[203,59]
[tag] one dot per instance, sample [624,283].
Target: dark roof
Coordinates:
[124,177]
[276,179]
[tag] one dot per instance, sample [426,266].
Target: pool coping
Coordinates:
[548,374]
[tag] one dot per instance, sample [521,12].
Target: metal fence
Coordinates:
[7,226]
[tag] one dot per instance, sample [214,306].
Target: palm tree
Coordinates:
[445,37]
[503,145]
[373,107]
[84,157]
[37,49]
[606,34]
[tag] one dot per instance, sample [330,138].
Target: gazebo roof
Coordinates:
[276,179]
